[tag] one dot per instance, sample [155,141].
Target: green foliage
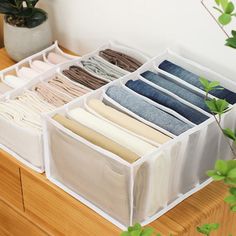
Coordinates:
[209,85]
[207,229]
[231,41]
[226,9]
[217,106]
[224,170]
[137,230]
[22,13]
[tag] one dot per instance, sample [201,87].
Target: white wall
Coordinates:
[150,25]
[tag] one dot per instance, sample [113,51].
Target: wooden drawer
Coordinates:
[10,181]
[60,212]
[13,223]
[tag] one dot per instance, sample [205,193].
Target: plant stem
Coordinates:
[219,125]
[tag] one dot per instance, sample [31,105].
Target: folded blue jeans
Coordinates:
[194,80]
[147,111]
[166,100]
[178,89]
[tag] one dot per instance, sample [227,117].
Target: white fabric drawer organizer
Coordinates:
[14,138]
[126,193]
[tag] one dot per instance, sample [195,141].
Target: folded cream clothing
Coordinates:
[68,87]
[51,95]
[25,110]
[56,58]
[127,122]
[90,174]
[96,138]
[14,81]
[27,73]
[32,100]
[41,66]
[134,144]
[4,88]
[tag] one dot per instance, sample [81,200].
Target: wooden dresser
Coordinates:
[32,206]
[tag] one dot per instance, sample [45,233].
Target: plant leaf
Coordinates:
[233,191]
[230,199]
[229,133]
[225,19]
[147,232]
[233,32]
[230,8]
[218,177]
[211,173]
[224,4]
[232,174]
[233,208]
[231,42]
[221,166]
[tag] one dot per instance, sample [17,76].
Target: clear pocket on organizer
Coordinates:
[90,172]
[16,138]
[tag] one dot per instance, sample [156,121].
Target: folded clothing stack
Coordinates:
[113,130]
[121,60]
[193,79]
[66,86]
[51,95]
[81,76]
[25,110]
[100,67]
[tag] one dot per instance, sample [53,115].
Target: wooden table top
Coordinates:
[206,206]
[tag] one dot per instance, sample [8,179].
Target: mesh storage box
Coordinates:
[126,193]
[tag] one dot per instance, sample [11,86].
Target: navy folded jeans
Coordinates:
[176,88]
[147,111]
[166,100]
[194,80]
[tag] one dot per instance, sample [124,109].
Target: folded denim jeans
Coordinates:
[193,79]
[183,92]
[147,111]
[166,100]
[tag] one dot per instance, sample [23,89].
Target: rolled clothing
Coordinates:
[14,81]
[121,60]
[97,66]
[182,91]
[96,138]
[56,58]
[81,76]
[68,87]
[127,122]
[134,144]
[166,100]
[27,73]
[193,79]
[41,66]
[147,111]
[51,95]
[4,88]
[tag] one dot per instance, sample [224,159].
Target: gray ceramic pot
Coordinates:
[21,42]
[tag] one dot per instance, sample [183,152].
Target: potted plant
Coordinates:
[26,28]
